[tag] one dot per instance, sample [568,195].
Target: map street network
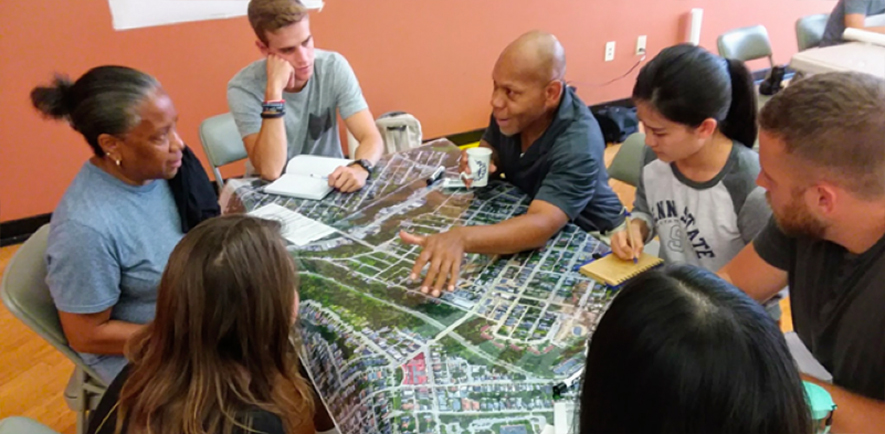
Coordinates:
[482,359]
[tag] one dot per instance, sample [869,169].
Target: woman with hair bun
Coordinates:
[112,233]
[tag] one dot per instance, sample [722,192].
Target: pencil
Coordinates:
[631,240]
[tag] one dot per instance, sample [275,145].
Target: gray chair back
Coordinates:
[746,43]
[810,30]
[23,425]
[25,293]
[627,164]
[222,143]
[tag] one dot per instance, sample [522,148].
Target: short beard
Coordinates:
[798,222]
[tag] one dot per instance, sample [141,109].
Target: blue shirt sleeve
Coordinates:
[83,272]
[857,6]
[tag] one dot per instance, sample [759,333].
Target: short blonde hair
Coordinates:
[272,15]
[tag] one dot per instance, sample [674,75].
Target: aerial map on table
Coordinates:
[483,359]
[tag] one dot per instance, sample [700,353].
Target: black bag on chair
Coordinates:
[616,122]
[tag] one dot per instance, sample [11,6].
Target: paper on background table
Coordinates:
[874,21]
[297,228]
[867,36]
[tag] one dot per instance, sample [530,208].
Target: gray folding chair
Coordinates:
[746,43]
[627,164]
[222,143]
[810,30]
[25,294]
[23,425]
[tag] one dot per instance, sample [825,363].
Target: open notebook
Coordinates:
[614,271]
[306,177]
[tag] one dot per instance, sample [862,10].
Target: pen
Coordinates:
[437,174]
[631,239]
[318,176]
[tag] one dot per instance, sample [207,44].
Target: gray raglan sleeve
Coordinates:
[754,215]
[641,209]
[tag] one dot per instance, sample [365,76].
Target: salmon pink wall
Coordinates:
[432,58]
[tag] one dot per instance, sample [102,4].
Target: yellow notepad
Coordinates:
[614,271]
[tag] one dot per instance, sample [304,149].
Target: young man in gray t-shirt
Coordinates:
[851,13]
[822,158]
[285,104]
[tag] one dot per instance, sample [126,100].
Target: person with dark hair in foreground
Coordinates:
[219,357]
[681,351]
[822,152]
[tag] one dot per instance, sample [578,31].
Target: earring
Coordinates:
[118,162]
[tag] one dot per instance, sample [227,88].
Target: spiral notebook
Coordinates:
[614,271]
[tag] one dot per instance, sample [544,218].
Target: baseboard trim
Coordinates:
[17,231]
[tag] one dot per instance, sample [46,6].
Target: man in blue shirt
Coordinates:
[546,142]
[851,13]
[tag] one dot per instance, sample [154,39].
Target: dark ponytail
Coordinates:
[102,101]
[52,100]
[688,85]
[740,124]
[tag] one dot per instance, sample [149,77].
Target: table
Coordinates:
[386,358]
[851,56]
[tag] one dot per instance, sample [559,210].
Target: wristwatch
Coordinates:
[365,164]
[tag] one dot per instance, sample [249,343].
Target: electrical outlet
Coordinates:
[640,45]
[609,51]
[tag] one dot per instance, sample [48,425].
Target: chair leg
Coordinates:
[82,420]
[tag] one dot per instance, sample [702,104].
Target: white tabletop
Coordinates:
[853,56]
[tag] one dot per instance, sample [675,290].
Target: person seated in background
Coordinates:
[285,104]
[545,141]
[681,351]
[116,224]
[822,153]
[218,357]
[853,14]
[697,190]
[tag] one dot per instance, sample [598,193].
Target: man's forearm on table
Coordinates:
[854,413]
[525,232]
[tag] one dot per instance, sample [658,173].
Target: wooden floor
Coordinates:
[33,375]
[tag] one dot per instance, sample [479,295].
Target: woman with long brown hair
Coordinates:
[218,357]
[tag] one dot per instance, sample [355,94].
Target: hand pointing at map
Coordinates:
[443,252]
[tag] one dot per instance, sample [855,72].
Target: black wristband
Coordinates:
[272,115]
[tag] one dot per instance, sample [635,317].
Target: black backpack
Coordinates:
[616,122]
